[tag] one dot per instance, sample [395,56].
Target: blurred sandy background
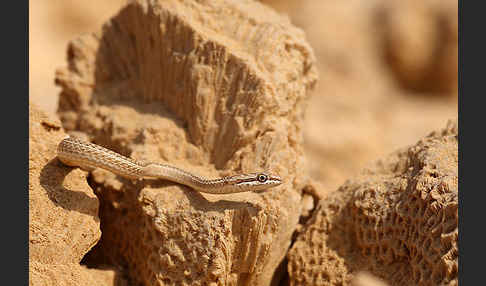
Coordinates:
[388,71]
[52,24]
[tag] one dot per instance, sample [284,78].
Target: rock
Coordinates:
[397,220]
[63,212]
[71,274]
[344,37]
[421,44]
[378,44]
[358,112]
[216,88]
[366,279]
[342,135]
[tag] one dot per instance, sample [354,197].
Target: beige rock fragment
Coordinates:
[215,87]
[63,212]
[421,44]
[378,43]
[366,279]
[63,221]
[396,220]
[72,274]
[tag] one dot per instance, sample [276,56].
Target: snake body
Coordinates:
[77,153]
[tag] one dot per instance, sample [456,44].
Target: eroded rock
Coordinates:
[72,274]
[63,212]
[216,88]
[63,221]
[396,220]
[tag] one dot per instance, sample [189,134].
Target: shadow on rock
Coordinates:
[52,178]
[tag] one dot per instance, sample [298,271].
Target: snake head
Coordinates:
[254,181]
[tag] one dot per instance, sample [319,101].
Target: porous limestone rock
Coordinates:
[397,220]
[217,88]
[63,212]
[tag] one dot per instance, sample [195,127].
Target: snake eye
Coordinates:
[262,178]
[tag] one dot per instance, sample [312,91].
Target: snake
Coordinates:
[75,152]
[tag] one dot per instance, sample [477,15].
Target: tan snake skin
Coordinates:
[77,153]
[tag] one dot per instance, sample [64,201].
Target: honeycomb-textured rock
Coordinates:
[396,220]
[217,88]
[63,213]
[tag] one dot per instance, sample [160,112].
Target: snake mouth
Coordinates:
[276,179]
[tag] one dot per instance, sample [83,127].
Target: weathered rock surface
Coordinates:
[366,279]
[71,274]
[397,220]
[216,87]
[63,221]
[357,113]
